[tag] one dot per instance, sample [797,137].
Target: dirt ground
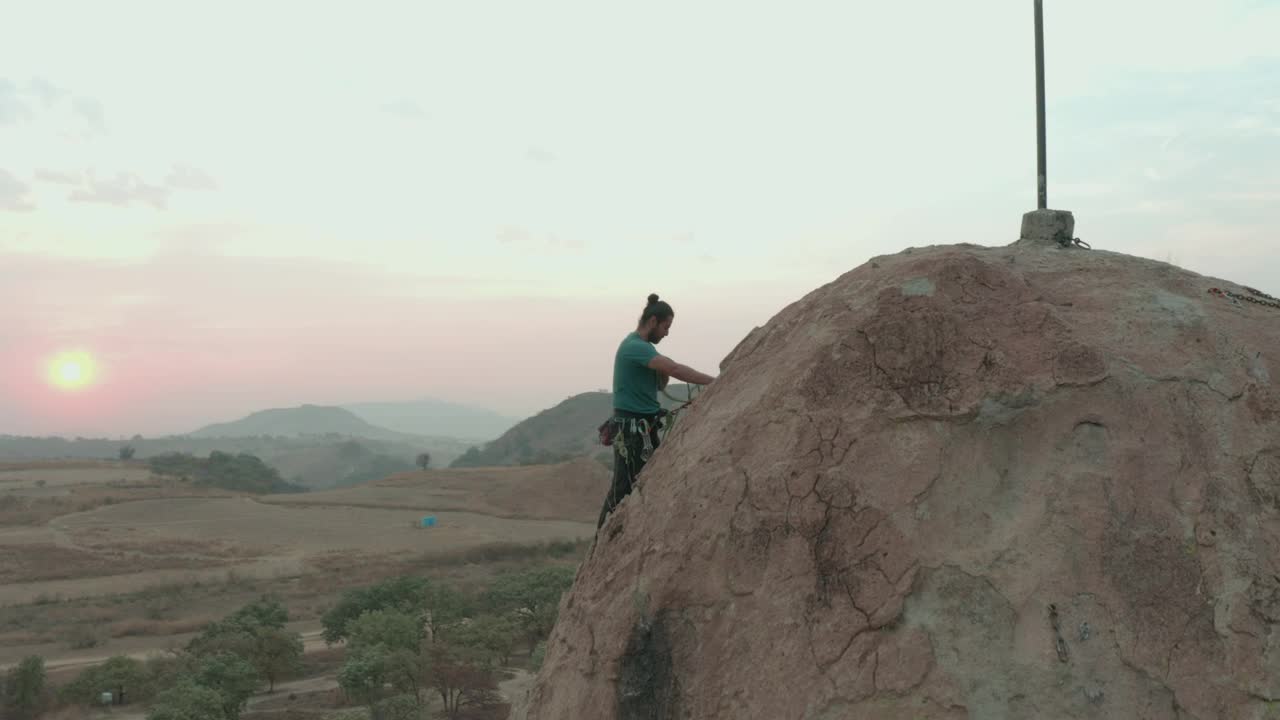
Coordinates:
[118,547]
[35,481]
[572,490]
[102,559]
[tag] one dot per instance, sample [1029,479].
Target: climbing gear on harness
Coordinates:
[664,420]
[624,427]
[1256,297]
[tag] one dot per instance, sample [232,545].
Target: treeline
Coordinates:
[241,472]
[407,639]
[212,678]
[355,463]
[522,454]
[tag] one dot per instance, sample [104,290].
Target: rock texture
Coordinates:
[958,482]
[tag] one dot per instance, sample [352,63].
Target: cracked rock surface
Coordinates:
[957,482]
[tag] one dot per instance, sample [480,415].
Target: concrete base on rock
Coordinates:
[1048,226]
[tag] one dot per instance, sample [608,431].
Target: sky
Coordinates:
[233,206]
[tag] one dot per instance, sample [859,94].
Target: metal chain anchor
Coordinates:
[1257,297]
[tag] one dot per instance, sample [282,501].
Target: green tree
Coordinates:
[533,597]
[399,707]
[405,670]
[127,452]
[276,652]
[461,676]
[255,632]
[188,701]
[232,677]
[223,637]
[243,472]
[497,635]
[24,688]
[405,593]
[364,675]
[392,629]
[266,611]
[471,458]
[129,680]
[370,668]
[424,460]
[445,607]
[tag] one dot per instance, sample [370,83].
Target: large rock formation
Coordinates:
[958,482]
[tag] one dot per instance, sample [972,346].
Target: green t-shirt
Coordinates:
[635,385]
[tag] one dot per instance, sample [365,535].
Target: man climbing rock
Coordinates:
[639,372]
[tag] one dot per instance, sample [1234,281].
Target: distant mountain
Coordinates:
[434,417]
[557,434]
[298,422]
[348,462]
[316,461]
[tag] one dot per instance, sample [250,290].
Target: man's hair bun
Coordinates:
[653,298]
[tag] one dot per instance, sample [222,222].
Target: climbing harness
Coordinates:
[1256,297]
[664,421]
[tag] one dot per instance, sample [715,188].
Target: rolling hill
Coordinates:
[555,435]
[435,418]
[313,446]
[299,422]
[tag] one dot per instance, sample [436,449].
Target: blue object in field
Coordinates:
[429,521]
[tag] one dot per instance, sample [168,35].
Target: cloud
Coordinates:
[540,156]
[523,239]
[43,101]
[407,109]
[122,190]
[13,194]
[199,237]
[92,112]
[126,188]
[48,93]
[185,177]
[60,178]
[12,107]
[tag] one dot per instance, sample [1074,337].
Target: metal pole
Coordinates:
[1040,154]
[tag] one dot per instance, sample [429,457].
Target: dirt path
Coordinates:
[311,642]
[322,683]
[515,690]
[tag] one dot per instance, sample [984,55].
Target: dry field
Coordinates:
[54,479]
[98,559]
[571,491]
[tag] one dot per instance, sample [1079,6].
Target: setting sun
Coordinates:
[72,370]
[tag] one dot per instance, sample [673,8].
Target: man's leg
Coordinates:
[619,481]
[626,465]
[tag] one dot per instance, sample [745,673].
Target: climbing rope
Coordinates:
[669,421]
[1256,297]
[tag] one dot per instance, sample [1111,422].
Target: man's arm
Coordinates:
[663,379]
[666,366]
